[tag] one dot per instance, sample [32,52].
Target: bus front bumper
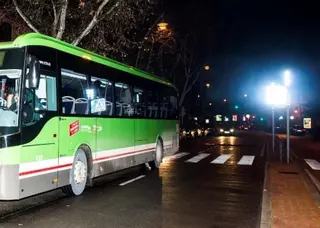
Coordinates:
[9,182]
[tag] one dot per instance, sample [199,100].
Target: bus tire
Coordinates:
[78,174]
[155,164]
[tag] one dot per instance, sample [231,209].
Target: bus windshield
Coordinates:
[10,79]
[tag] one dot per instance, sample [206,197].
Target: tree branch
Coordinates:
[63,15]
[192,83]
[147,35]
[24,17]
[94,20]
[55,22]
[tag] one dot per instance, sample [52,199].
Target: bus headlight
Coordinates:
[231,130]
[221,130]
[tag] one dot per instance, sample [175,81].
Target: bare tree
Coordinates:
[111,23]
[190,66]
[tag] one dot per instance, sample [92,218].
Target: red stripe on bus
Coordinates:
[70,164]
[44,169]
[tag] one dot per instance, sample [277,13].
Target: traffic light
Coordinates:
[236,106]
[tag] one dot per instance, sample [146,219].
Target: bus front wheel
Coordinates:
[159,156]
[78,174]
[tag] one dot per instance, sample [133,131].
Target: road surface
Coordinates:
[211,182]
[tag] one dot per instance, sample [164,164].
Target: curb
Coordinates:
[266,218]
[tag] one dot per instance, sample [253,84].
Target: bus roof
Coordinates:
[31,39]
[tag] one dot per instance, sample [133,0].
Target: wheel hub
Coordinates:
[80,172]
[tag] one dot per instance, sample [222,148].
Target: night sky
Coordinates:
[250,43]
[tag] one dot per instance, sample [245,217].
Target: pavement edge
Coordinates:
[266,212]
[309,180]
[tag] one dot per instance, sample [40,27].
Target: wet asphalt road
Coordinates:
[180,194]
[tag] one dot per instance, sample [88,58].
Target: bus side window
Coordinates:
[152,104]
[173,107]
[102,101]
[35,102]
[139,102]
[124,106]
[164,106]
[75,96]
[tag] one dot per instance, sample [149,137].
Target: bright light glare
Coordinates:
[221,130]
[207,121]
[195,118]
[90,93]
[277,95]
[231,130]
[248,116]
[291,117]
[280,117]
[287,78]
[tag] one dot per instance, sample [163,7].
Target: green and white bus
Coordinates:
[68,115]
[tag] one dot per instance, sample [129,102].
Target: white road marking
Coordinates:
[221,159]
[246,160]
[263,147]
[313,164]
[132,180]
[198,158]
[177,156]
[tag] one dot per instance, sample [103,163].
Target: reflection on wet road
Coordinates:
[211,182]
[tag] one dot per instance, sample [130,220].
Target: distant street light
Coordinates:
[224,100]
[280,117]
[248,116]
[210,103]
[291,117]
[245,95]
[236,106]
[162,26]
[296,111]
[208,85]
[198,95]
[207,67]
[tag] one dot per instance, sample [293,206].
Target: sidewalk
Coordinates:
[292,204]
[290,197]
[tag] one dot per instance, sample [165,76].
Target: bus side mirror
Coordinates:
[34,72]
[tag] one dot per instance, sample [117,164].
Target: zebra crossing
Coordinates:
[314,164]
[221,159]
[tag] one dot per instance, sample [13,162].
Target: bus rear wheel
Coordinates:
[78,175]
[159,156]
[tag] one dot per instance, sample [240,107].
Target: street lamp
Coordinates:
[287,78]
[208,85]
[245,95]
[207,67]
[198,95]
[210,103]
[276,95]
[224,100]
[162,26]
[287,83]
